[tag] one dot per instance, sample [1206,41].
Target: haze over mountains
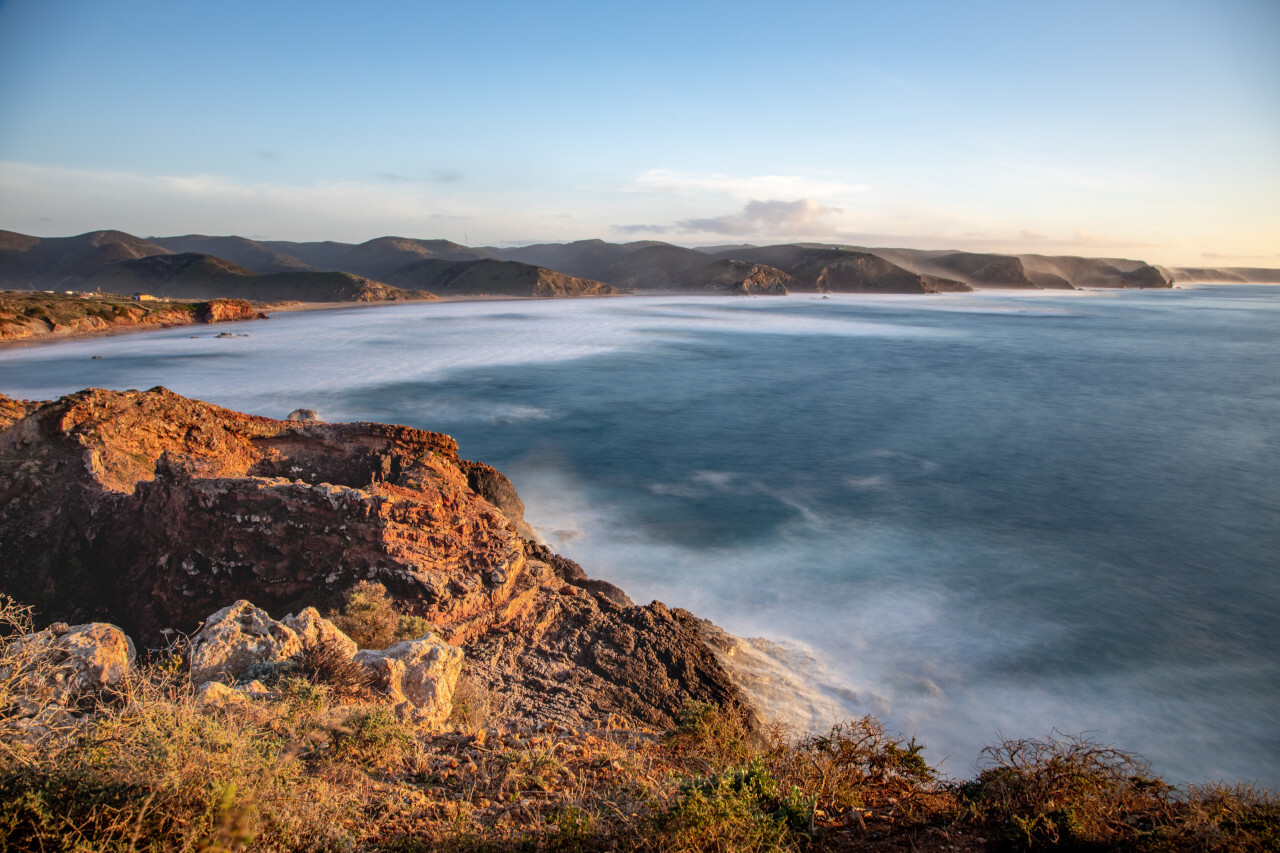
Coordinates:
[390,268]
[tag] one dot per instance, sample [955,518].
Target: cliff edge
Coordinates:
[151,510]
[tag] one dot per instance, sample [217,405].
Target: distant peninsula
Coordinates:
[196,268]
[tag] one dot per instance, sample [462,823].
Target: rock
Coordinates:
[742,277]
[580,657]
[12,411]
[314,630]
[223,310]
[419,676]
[494,486]
[181,508]
[303,415]
[219,695]
[237,637]
[67,665]
[861,272]
[153,511]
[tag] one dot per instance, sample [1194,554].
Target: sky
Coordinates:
[1128,128]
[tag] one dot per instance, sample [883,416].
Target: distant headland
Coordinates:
[197,268]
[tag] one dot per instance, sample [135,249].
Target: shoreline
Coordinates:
[298,307]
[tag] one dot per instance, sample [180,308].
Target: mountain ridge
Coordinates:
[386,266]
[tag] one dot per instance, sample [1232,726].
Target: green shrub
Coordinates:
[1065,791]
[707,732]
[742,809]
[370,617]
[374,738]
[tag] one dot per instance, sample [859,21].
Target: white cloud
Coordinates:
[68,201]
[768,218]
[761,186]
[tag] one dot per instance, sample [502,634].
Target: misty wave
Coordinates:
[969,514]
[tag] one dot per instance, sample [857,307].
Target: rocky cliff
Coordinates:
[31,316]
[150,511]
[742,277]
[488,277]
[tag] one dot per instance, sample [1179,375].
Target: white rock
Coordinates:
[63,664]
[237,637]
[314,630]
[421,672]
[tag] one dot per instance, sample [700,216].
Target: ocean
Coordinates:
[973,515]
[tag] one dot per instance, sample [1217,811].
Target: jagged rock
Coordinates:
[154,511]
[182,507]
[573,655]
[66,665]
[314,631]
[12,411]
[241,636]
[223,310]
[419,676]
[237,637]
[496,488]
[742,277]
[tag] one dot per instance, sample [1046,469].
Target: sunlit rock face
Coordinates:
[152,511]
[156,510]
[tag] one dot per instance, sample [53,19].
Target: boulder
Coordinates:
[303,415]
[315,630]
[66,665]
[223,310]
[419,676]
[237,637]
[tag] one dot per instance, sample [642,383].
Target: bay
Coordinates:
[973,515]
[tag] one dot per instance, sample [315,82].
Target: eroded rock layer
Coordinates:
[151,510]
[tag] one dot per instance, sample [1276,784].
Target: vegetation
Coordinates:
[318,767]
[24,313]
[370,617]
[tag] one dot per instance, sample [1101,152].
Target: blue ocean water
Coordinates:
[978,514]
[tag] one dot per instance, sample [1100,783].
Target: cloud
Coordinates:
[640,229]
[1218,256]
[1087,239]
[760,186]
[86,199]
[773,217]
[438,176]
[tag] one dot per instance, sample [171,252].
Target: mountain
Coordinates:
[583,258]
[837,270]
[196,276]
[203,266]
[250,254]
[381,257]
[1224,275]
[660,266]
[58,263]
[322,255]
[741,277]
[489,277]
[1093,272]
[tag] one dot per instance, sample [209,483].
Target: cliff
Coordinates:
[31,316]
[742,277]
[487,277]
[151,511]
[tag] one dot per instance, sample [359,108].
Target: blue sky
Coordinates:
[1144,129]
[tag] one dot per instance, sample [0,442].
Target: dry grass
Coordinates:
[316,769]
